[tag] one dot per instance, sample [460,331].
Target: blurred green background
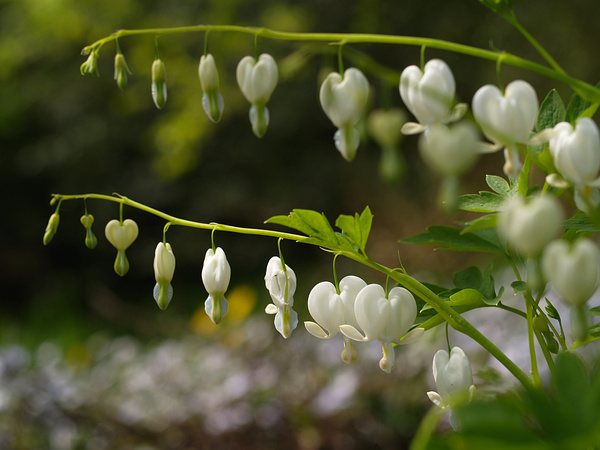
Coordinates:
[61,132]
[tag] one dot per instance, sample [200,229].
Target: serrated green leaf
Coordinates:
[552,311]
[450,238]
[498,185]
[552,111]
[471,277]
[315,225]
[356,228]
[485,202]
[580,222]
[487,221]
[519,287]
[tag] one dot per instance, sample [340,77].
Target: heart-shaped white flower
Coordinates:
[428,94]
[576,151]
[572,269]
[121,234]
[449,151]
[386,318]
[330,309]
[453,377]
[257,79]
[506,119]
[529,224]
[343,99]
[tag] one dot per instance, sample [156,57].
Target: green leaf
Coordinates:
[552,111]
[578,107]
[595,311]
[519,287]
[356,228]
[498,185]
[487,221]
[450,238]
[471,279]
[552,311]
[485,202]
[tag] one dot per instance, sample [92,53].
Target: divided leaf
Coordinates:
[356,228]
[450,238]
[552,111]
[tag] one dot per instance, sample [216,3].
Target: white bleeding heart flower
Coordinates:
[429,95]
[507,119]
[216,274]
[528,225]
[331,309]
[453,378]
[572,269]
[343,99]
[387,318]
[449,151]
[212,100]
[164,268]
[257,79]
[281,284]
[121,235]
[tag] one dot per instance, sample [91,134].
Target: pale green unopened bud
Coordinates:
[90,238]
[159,83]
[212,100]
[90,66]
[121,71]
[121,264]
[51,228]
[164,268]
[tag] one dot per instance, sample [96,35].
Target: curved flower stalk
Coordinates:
[453,379]
[449,151]
[507,119]
[343,98]
[386,318]
[529,224]
[121,235]
[212,100]
[281,284]
[257,80]
[575,152]
[330,309]
[164,268]
[159,83]
[429,95]
[573,270]
[216,274]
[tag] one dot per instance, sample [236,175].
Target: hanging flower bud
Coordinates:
[216,274]
[164,268]
[429,95]
[331,309]
[281,284]
[572,269]
[212,100]
[384,126]
[507,119]
[90,238]
[453,379]
[386,318]
[529,224]
[343,99]
[51,228]
[121,70]
[90,66]
[159,83]
[121,235]
[257,80]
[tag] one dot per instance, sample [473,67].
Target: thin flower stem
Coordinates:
[448,313]
[586,90]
